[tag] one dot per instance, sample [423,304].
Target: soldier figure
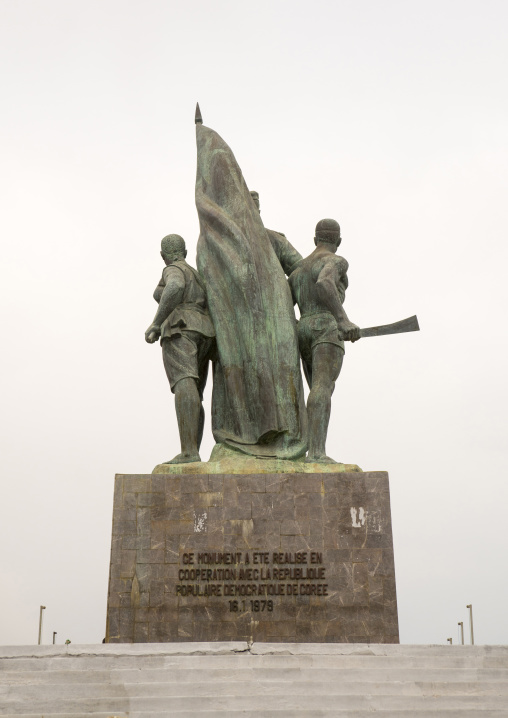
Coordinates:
[187,338]
[319,286]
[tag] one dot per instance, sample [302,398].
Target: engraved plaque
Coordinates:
[261,557]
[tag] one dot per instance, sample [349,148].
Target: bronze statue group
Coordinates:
[237,311]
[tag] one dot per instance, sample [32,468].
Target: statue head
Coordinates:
[173,248]
[255,197]
[328,231]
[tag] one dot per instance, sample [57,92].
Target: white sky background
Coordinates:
[388,116]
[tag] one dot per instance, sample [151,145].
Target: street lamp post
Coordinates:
[40,624]
[461,624]
[450,641]
[54,636]
[470,606]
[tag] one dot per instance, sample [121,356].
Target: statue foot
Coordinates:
[322,459]
[184,459]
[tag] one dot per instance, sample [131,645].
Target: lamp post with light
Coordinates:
[40,624]
[470,606]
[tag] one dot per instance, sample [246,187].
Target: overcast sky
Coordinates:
[390,117]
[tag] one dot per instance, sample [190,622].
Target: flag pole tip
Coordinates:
[198,119]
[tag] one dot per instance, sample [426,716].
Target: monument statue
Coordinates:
[238,312]
[248,547]
[187,337]
[258,404]
[319,286]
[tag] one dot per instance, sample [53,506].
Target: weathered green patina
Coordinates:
[187,337]
[319,286]
[238,312]
[258,404]
[225,460]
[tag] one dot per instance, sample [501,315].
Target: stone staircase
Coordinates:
[236,679]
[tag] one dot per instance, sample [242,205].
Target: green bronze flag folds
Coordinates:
[258,404]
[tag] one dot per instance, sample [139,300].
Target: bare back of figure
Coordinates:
[318,286]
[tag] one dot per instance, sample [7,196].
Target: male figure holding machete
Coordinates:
[319,286]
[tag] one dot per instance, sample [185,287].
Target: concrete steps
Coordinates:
[233,679]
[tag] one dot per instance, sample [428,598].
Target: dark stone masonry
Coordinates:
[260,557]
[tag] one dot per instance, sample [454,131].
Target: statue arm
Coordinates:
[293,294]
[159,288]
[158,292]
[326,287]
[171,297]
[290,257]
[287,255]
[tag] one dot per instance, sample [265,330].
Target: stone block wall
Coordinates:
[260,557]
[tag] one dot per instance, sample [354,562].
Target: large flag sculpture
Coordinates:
[258,404]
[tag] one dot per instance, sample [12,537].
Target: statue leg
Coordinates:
[181,361]
[326,366]
[206,353]
[188,412]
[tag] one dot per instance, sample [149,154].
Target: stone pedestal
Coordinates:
[259,557]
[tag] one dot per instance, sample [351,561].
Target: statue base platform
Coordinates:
[270,557]
[225,460]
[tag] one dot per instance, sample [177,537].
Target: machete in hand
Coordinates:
[405,325]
